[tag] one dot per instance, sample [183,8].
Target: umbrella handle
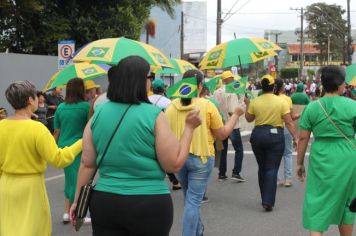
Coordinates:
[240,66]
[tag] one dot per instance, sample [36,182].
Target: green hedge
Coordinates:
[289,73]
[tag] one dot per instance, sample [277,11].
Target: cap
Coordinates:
[158,83]
[227,74]
[268,77]
[89,84]
[300,87]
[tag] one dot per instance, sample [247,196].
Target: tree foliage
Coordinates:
[289,73]
[35,26]
[326,24]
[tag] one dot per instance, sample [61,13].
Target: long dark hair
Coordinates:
[277,86]
[75,91]
[189,74]
[128,81]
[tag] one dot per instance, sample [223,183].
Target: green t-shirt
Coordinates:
[130,166]
[300,98]
[340,109]
[71,119]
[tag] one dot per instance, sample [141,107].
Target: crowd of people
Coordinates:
[136,138]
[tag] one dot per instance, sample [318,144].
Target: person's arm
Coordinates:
[295,116]
[304,136]
[87,166]
[224,132]
[48,150]
[248,116]
[171,153]
[291,127]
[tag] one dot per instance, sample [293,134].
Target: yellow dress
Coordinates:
[26,148]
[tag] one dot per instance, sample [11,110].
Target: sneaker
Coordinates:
[205,199]
[65,218]
[87,220]
[238,178]
[267,208]
[222,177]
[288,183]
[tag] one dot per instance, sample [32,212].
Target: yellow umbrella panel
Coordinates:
[239,51]
[112,50]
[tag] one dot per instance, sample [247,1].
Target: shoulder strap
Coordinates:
[107,146]
[337,128]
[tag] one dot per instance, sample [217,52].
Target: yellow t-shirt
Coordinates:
[287,99]
[202,144]
[269,109]
[213,121]
[27,146]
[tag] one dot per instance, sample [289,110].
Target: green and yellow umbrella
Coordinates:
[351,75]
[84,71]
[239,51]
[179,67]
[112,50]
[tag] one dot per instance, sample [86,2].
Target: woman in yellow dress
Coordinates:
[26,148]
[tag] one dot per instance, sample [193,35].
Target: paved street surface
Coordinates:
[233,209]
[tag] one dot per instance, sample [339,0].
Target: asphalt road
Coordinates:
[233,209]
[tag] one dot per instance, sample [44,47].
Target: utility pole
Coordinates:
[219,22]
[301,60]
[349,39]
[276,34]
[182,35]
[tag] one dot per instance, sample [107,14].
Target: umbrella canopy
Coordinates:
[84,71]
[239,51]
[351,74]
[112,50]
[180,67]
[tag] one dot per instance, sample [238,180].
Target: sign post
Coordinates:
[66,49]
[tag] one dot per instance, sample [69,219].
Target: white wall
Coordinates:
[14,67]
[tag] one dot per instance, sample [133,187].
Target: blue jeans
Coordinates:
[193,178]
[287,157]
[268,145]
[236,141]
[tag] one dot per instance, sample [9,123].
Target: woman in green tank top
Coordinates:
[131,196]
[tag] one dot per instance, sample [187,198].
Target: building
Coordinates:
[289,57]
[168,30]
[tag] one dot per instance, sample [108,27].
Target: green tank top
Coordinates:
[130,166]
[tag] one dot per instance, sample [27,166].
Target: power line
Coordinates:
[230,10]
[238,10]
[263,13]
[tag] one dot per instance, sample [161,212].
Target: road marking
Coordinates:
[54,177]
[251,153]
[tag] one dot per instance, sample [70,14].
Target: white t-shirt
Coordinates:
[288,87]
[100,100]
[159,100]
[312,88]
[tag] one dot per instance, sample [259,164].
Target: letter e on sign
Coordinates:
[66,51]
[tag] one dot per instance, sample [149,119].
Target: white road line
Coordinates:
[251,153]
[54,177]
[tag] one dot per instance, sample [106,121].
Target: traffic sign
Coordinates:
[65,53]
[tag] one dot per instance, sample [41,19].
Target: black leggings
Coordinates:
[131,215]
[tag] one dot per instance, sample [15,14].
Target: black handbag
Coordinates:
[86,190]
[352,206]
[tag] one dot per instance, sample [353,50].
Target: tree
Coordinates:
[81,20]
[16,24]
[327,28]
